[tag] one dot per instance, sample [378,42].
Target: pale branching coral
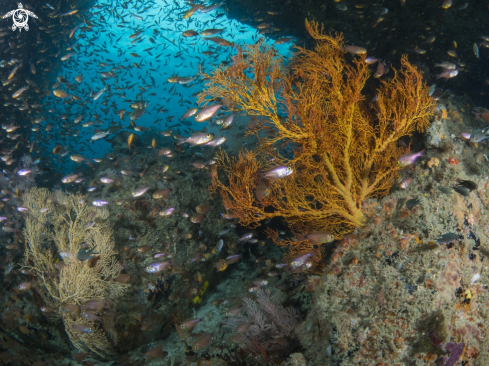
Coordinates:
[61,225]
[270,322]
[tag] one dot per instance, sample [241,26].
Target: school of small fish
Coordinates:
[101,99]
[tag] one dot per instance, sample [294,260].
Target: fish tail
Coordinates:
[180,140]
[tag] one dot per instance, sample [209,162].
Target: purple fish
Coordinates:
[300,260]
[69,178]
[408,159]
[245,237]
[168,211]
[100,203]
[140,191]
[106,180]
[157,267]
[23,172]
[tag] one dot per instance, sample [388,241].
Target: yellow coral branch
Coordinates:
[68,221]
[343,149]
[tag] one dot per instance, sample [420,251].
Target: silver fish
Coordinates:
[479,135]
[69,178]
[216,142]
[140,191]
[475,47]
[198,138]
[224,232]
[207,112]
[219,245]
[19,92]
[99,94]
[228,121]
[99,135]
[136,114]
[183,80]
[100,203]
[280,171]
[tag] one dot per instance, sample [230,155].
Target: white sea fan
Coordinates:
[26,161]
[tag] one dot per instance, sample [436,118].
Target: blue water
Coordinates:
[108,41]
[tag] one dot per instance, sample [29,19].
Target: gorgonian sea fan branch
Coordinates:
[63,220]
[342,149]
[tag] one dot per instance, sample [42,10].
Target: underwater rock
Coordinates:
[437,135]
[387,284]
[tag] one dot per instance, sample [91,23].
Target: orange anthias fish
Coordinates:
[190,33]
[354,50]
[221,265]
[381,69]
[262,192]
[446,4]
[202,342]
[220,41]
[154,353]
[317,237]
[60,93]
[129,140]
[191,12]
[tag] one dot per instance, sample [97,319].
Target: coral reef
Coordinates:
[401,290]
[341,149]
[76,289]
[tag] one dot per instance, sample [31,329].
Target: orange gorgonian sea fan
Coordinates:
[312,116]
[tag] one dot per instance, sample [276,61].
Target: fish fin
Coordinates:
[300,237]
